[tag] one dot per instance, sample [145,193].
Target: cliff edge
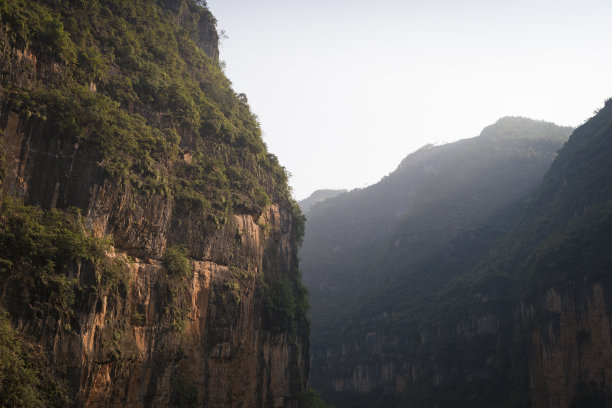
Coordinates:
[149,240]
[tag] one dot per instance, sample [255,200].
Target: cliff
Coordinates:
[514,312]
[153,261]
[374,259]
[563,265]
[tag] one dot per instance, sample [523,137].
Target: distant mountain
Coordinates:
[373,257]
[317,197]
[529,325]
[447,189]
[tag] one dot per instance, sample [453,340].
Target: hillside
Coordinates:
[534,313]
[148,240]
[525,323]
[370,257]
[440,192]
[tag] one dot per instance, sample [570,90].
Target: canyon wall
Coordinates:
[123,328]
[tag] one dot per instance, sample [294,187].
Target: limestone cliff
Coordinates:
[377,262]
[515,312]
[158,154]
[571,349]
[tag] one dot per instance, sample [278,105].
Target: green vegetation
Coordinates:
[233,287]
[177,262]
[435,216]
[311,399]
[466,295]
[25,381]
[18,382]
[179,271]
[581,246]
[125,90]
[284,301]
[135,89]
[39,249]
[34,26]
[44,239]
[299,221]
[279,298]
[129,149]
[158,99]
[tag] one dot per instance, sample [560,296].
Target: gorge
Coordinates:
[152,254]
[475,274]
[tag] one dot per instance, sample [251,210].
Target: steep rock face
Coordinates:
[527,325]
[226,349]
[124,348]
[218,336]
[375,260]
[564,264]
[571,348]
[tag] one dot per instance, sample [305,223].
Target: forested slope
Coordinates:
[510,316]
[376,260]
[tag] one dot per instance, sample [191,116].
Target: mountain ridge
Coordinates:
[518,320]
[459,200]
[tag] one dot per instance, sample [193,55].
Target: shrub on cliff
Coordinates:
[311,399]
[39,249]
[25,381]
[177,262]
[18,382]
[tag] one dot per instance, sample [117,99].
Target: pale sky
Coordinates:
[344,90]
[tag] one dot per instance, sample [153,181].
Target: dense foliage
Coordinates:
[18,382]
[39,251]
[26,378]
[177,262]
[138,88]
[311,399]
[284,303]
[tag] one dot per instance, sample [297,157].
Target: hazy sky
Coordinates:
[344,90]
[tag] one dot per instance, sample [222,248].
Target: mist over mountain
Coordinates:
[435,195]
[317,197]
[375,258]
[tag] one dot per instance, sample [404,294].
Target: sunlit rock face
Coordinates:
[124,349]
[211,338]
